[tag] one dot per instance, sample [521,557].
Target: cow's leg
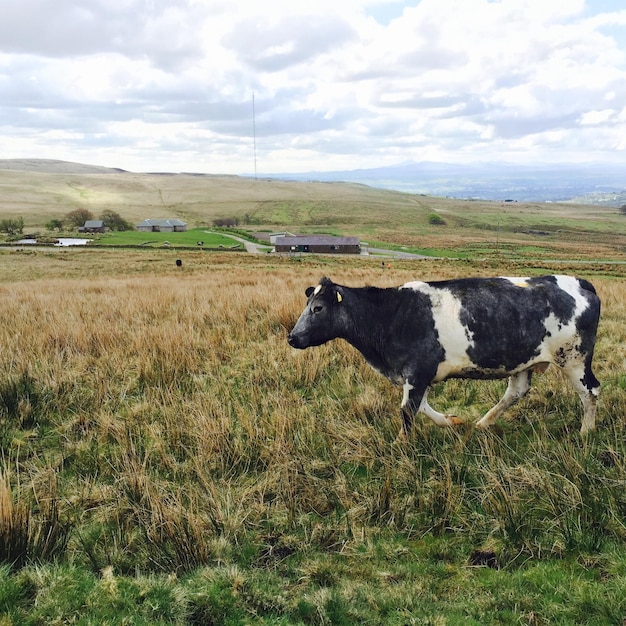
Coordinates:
[588,388]
[415,400]
[439,418]
[518,387]
[411,401]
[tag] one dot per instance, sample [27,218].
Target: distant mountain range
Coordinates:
[589,183]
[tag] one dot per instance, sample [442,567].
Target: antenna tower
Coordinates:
[254,133]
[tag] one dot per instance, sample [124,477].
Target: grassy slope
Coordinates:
[471,228]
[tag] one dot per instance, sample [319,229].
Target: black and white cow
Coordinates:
[482,328]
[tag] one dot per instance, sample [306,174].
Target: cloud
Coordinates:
[267,45]
[149,84]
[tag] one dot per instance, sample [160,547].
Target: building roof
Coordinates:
[317,240]
[168,222]
[94,224]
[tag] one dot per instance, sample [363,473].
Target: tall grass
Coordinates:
[161,424]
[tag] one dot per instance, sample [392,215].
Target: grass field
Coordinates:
[470,229]
[194,238]
[167,458]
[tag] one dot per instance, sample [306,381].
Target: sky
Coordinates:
[240,86]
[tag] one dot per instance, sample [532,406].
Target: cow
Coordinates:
[422,333]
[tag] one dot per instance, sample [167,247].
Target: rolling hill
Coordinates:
[40,190]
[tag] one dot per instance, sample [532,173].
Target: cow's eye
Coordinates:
[318,308]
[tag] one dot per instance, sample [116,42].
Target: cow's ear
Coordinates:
[308,291]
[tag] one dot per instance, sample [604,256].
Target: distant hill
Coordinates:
[52,166]
[581,183]
[39,190]
[588,183]
[616,199]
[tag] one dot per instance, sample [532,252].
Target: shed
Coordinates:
[171,225]
[274,236]
[324,244]
[92,226]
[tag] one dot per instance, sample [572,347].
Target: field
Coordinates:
[462,229]
[194,238]
[167,458]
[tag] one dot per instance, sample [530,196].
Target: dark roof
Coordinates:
[317,240]
[94,224]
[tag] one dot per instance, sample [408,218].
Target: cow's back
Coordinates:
[490,327]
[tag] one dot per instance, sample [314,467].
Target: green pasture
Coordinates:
[189,238]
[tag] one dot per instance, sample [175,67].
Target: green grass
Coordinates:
[387,580]
[189,238]
[445,253]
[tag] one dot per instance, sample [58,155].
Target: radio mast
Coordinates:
[254,133]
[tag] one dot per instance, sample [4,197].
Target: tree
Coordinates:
[79,217]
[55,224]
[12,226]
[114,221]
[623,209]
[226,222]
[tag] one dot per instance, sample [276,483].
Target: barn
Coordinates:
[172,225]
[92,226]
[321,244]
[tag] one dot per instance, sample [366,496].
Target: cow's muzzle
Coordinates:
[295,341]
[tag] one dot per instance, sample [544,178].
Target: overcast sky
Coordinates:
[170,85]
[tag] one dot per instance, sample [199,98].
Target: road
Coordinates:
[251,247]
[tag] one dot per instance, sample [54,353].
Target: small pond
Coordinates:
[61,242]
[71,241]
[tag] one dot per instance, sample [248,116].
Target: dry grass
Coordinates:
[157,419]
[154,420]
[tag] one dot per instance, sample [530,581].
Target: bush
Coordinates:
[436,220]
[226,222]
[12,226]
[55,224]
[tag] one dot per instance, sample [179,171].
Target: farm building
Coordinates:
[274,236]
[92,226]
[319,244]
[162,226]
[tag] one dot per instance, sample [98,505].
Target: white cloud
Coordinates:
[152,84]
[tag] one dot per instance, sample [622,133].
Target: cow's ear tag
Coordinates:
[339,297]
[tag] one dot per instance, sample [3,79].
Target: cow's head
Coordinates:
[322,319]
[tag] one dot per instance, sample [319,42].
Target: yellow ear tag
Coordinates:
[339,297]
